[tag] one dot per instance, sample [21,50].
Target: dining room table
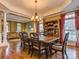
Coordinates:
[47,41]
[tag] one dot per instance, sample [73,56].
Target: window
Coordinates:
[18,27]
[70,26]
[41,28]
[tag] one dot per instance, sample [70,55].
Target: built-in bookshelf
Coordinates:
[52,28]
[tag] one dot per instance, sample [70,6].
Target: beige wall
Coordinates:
[23,28]
[12,26]
[52,18]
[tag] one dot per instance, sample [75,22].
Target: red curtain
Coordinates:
[77,25]
[62,21]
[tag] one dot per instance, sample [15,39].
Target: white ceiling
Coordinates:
[44,7]
[72,6]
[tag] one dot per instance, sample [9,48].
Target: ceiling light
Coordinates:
[35,18]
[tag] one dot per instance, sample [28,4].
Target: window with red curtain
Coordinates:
[70,27]
[62,19]
[77,25]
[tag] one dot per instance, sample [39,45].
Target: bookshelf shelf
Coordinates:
[52,27]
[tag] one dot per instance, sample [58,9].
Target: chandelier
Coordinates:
[35,18]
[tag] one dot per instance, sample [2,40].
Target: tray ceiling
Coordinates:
[44,7]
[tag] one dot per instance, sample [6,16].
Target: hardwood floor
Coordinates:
[13,51]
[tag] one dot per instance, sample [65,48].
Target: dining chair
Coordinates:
[26,41]
[20,36]
[61,47]
[25,38]
[36,44]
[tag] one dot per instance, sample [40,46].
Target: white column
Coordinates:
[4,44]
[5,28]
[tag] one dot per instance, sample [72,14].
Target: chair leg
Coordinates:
[21,44]
[66,54]
[32,51]
[29,49]
[63,55]
[46,53]
[50,50]
[24,46]
[39,54]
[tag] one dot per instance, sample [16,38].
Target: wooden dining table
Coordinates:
[47,40]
